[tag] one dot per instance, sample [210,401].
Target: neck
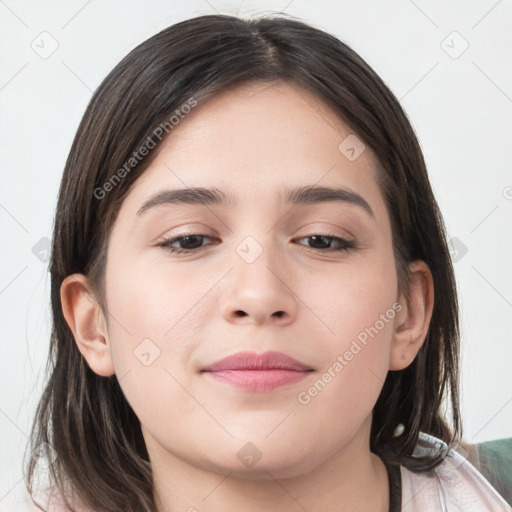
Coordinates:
[352,479]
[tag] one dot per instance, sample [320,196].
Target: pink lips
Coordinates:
[258,372]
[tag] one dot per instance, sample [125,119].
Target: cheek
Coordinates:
[353,297]
[355,356]
[359,307]
[154,303]
[348,384]
[154,327]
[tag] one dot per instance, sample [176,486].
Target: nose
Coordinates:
[259,292]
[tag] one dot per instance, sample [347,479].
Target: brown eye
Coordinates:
[187,243]
[327,243]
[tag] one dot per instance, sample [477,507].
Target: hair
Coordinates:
[102,456]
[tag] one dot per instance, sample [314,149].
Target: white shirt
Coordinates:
[453,486]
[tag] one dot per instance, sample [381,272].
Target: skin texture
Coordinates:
[253,141]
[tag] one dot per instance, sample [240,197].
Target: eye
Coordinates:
[192,242]
[189,243]
[328,243]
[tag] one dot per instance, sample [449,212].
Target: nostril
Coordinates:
[240,313]
[279,314]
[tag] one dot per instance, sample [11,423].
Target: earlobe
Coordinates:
[85,318]
[413,320]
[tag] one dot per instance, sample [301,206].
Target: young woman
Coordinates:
[253,301]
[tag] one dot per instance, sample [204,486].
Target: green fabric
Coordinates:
[495,463]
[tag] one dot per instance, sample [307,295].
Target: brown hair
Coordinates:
[85,417]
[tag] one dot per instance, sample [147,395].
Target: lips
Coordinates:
[258,372]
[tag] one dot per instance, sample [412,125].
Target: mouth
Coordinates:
[258,372]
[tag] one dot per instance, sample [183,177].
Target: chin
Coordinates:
[264,459]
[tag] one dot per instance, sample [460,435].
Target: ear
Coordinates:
[85,318]
[413,320]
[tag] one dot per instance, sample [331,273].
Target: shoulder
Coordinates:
[453,485]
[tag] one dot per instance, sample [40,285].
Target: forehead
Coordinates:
[258,117]
[253,141]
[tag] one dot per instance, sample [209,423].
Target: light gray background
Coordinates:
[460,105]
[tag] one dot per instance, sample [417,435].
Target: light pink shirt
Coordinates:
[453,486]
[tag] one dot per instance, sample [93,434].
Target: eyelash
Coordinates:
[345,245]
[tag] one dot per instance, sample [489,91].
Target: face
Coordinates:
[268,270]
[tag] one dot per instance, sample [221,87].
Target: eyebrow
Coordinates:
[309,194]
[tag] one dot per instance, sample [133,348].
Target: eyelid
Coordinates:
[329,231]
[326,228]
[188,230]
